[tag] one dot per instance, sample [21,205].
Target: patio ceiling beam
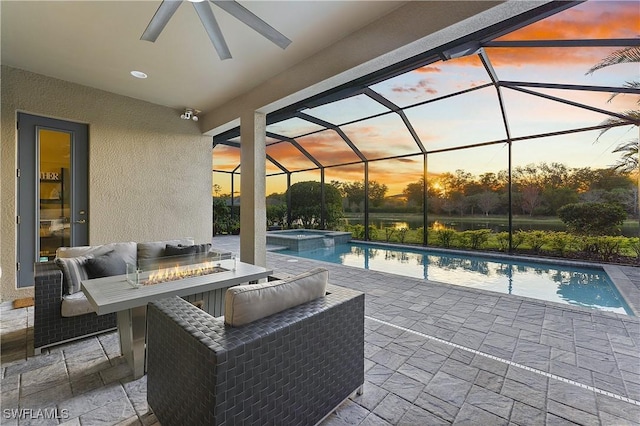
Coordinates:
[395,108]
[607,89]
[612,42]
[227,143]
[297,146]
[345,93]
[333,127]
[575,104]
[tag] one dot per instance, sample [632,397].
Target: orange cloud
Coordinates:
[429,68]
[289,156]
[591,19]
[328,148]
[225,158]
[423,86]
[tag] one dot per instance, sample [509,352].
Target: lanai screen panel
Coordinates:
[466,119]
[225,158]
[396,174]
[582,149]
[344,174]
[433,81]
[551,172]
[293,127]
[311,175]
[289,156]
[469,183]
[381,137]
[328,148]
[276,184]
[601,100]
[532,115]
[559,65]
[347,110]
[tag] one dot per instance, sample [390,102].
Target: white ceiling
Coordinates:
[97,44]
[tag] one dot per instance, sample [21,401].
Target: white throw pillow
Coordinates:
[246,303]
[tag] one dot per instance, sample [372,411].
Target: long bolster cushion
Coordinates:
[246,303]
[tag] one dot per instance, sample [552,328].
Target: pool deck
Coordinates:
[435,354]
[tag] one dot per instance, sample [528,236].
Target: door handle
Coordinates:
[80,221]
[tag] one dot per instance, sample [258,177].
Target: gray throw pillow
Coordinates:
[107,265]
[179,250]
[73,271]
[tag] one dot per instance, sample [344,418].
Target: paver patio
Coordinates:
[435,354]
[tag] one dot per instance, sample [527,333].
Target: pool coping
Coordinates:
[628,291]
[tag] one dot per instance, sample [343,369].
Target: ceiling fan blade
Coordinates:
[159,21]
[213,29]
[249,18]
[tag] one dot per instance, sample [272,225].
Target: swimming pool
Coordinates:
[580,286]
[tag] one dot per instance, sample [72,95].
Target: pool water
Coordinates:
[588,287]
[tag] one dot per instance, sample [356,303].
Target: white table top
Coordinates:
[113,294]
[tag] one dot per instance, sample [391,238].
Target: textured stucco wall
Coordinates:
[149,171]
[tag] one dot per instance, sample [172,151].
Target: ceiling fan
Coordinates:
[168,8]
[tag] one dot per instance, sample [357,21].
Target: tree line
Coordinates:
[537,190]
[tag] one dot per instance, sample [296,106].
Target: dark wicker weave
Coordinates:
[49,326]
[291,368]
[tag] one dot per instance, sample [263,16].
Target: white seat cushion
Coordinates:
[246,303]
[76,304]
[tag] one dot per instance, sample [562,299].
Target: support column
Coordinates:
[253,210]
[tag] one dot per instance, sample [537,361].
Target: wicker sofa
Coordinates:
[51,325]
[290,368]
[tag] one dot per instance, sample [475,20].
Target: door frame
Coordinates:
[28,207]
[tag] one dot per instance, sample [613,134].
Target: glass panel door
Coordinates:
[54,192]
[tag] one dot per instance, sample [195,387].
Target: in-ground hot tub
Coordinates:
[307,239]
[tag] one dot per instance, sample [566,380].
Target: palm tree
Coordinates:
[621,56]
[628,161]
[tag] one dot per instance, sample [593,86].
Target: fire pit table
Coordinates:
[129,299]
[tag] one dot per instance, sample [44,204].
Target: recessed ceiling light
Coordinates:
[138,74]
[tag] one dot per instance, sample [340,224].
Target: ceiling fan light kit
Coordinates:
[168,7]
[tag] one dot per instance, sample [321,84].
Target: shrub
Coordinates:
[536,239]
[402,234]
[476,238]
[445,237]
[517,239]
[608,247]
[357,231]
[560,241]
[503,240]
[634,244]
[373,232]
[592,218]
[388,233]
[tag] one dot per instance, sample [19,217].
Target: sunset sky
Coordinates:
[475,116]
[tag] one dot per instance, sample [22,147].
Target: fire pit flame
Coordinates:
[180,272]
